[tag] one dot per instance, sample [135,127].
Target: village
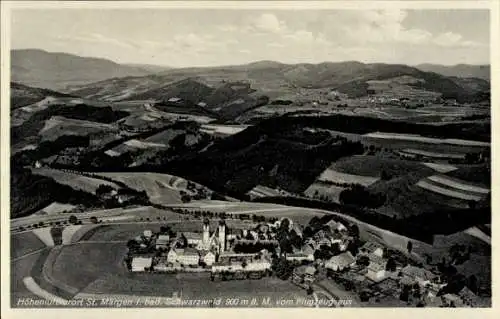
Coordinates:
[329,257]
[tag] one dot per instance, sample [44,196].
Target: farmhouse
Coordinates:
[469,298]
[373,249]
[299,257]
[303,275]
[336,226]
[376,271]
[162,242]
[193,239]
[141,263]
[420,275]
[258,265]
[208,258]
[187,257]
[340,262]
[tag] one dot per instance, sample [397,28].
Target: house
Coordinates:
[189,256]
[186,257]
[263,228]
[303,275]
[297,230]
[208,258]
[373,248]
[140,264]
[334,225]
[299,257]
[193,239]
[468,297]
[258,265]
[226,266]
[123,198]
[375,271]
[340,262]
[162,242]
[254,234]
[420,275]
[452,300]
[174,100]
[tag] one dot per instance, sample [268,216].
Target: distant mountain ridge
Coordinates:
[103,79]
[274,79]
[459,70]
[57,70]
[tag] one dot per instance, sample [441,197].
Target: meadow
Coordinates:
[73,180]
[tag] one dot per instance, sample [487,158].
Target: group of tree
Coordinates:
[250,248]
[167,230]
[103,189]
[359,195]
[282,268]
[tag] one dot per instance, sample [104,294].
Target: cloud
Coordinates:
[268,22]
[450,39]
[387,27]
[98,38]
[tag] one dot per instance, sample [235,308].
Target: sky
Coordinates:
[209,37]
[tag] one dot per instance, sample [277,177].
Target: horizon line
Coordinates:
[247,63]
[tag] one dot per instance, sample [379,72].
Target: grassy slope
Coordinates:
[98,260]
[24,243]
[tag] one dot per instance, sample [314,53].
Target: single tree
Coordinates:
[73,219]
[391,265]
[409,246]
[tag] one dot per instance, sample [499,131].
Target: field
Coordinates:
[405,198]
[416,142]
[161,188]
[458,184]
[55,208]
[80,264]
[224,130]
[24,243]
[330,175]
[477,174]
[299,215]
[142,145]
[57,126]
[436,155]
[453,188]
[164,137]
[195,286]
[447,192]
[441,168]
[18,271]
[76,181]
[263,191]
[132,146]
[318,190]
[418,138]
[374,165]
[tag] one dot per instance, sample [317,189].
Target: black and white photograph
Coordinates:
[226,156]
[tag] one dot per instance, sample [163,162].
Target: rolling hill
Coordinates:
[22,95]
[55,70]
[275,79]
[459,70]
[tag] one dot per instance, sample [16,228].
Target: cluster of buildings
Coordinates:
[205,251]
[369,266]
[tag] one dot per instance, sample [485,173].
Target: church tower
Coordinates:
[222,236]
[206,231]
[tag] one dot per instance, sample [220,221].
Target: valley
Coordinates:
[101,165]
